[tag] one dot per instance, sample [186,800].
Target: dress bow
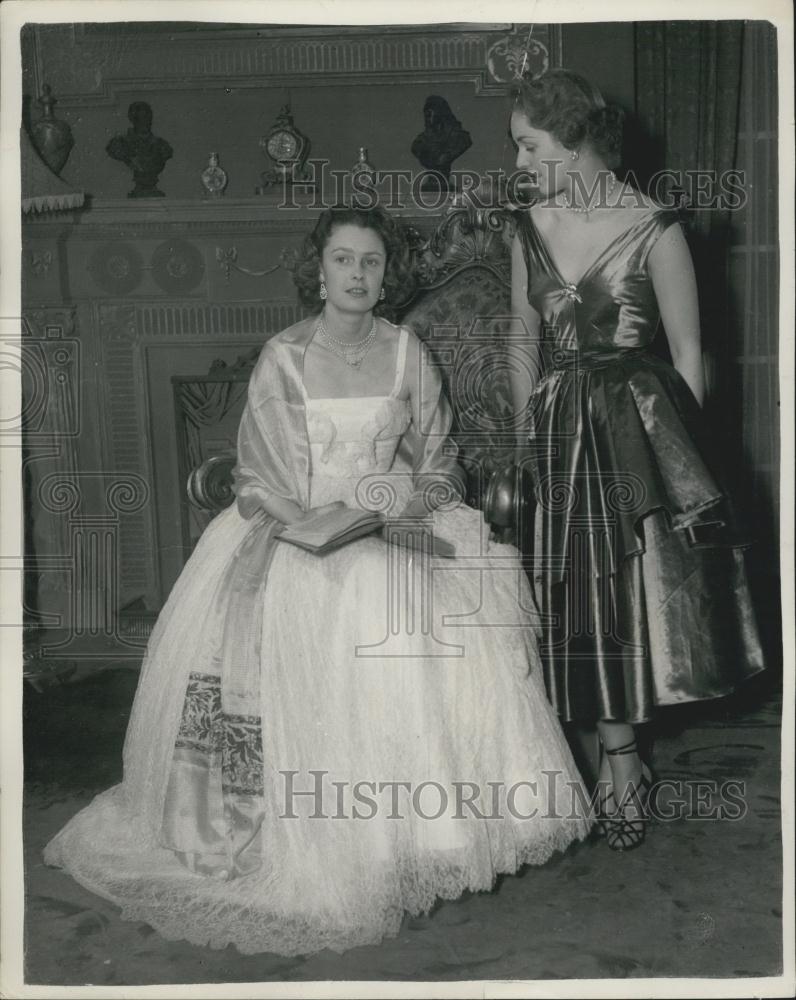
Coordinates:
[571,292]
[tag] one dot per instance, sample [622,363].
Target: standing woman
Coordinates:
[638,577]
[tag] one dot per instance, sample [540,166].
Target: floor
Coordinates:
[700,898]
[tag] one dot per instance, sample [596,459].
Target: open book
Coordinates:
[331,530]
[325,532]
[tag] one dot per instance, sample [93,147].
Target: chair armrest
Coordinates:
[209,485]
[509,505]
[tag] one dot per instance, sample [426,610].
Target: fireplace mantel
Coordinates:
[164,249]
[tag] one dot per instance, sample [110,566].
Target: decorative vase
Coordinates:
[362,166]
[363,181]
[52,137]
[214,179]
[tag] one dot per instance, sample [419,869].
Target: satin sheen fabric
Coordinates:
[639,570]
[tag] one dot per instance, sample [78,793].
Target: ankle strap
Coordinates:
[628,748]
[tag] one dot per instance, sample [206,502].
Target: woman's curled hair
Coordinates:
[573,111]
[398,279]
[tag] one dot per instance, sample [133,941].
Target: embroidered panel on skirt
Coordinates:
[234,741]
[213,811]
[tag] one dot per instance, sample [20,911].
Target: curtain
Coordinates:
[753,330]
[688,87]
[706,100]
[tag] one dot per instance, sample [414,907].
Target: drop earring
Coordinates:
[382,294]
[322,291]
[574,154]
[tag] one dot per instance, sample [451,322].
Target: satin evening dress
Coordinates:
[638,569]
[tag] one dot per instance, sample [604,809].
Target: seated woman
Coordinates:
[303,763]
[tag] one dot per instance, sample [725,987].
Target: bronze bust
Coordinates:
[441,142]
[143,152]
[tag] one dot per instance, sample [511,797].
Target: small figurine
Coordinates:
[442,141]
[214,179]
[144,153]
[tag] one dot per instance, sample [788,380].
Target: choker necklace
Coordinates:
[582,209]
[352,352]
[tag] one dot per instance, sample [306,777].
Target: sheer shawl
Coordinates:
[273,460]
[273,449]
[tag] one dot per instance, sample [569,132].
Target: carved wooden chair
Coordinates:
[460,310]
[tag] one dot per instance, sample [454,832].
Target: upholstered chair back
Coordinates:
[463,323]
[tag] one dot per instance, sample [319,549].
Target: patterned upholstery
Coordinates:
[463,323]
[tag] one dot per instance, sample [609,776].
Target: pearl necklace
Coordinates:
[352,352]
[582,209]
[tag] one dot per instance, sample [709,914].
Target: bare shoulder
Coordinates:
[633,209]
[670,250]
[389,331]
[637,201]
[543,216]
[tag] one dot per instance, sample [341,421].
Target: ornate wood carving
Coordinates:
[38,262]
[49,361]
[106,61]
[469,236]
[210,484]
[227,258]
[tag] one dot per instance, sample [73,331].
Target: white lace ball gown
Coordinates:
[388,718]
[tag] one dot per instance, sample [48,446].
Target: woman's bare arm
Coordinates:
[524,348]
[672,273]
[290,513]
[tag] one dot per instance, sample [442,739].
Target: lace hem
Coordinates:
[246,924]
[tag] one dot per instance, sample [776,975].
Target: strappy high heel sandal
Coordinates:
[622,832]
[601,799]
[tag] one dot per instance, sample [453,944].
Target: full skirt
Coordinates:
[639,567]
[396,748]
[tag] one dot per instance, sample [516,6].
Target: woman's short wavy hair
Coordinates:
[573,111]
[398,280]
